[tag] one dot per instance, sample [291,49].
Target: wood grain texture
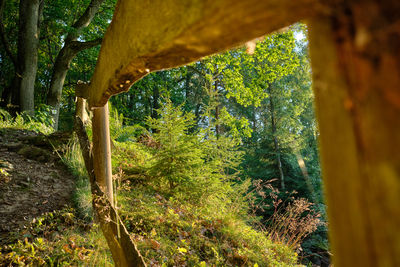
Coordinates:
[102,150]
[356,74]
[146,36]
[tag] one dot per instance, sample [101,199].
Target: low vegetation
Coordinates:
[181,197]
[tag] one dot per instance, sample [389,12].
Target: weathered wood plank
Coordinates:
[356,73]
[152,35]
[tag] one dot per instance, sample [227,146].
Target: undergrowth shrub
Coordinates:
[41,122]
[82,197]
[57,238]
[183,202]
[292,219]
[292,223]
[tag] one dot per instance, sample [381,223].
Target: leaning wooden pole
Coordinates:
[123,248]
[356,72]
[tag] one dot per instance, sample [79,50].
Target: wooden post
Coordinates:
[123,248]
[81,109]
[102,150]
[356,72]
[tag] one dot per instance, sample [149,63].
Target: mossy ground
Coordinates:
[169,228]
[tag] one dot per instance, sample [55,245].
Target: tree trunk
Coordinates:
[155,105]
[9,97]
[276,143]
[217,111]
[28,45]
[67,53]
[60,69]
[356,72]
[21,91]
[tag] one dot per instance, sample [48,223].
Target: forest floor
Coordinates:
[33,180]
[41,221]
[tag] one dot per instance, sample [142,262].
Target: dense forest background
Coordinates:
[253,104]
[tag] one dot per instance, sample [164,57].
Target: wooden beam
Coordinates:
[102,150]
[146,36]
[356,74]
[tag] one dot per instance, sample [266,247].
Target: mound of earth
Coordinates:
[33,180]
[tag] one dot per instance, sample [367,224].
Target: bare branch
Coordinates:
[78,46]
[84,20]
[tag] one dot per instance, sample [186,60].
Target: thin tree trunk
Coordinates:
[155,105]
[276,143]
[254,119]
[217,111]
[306,176]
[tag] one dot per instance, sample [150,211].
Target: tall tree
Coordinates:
[21,91]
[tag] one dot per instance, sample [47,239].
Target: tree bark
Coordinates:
[356,72]
[81,110]
[28,45]
[276,143]
[67,53]
[21,91]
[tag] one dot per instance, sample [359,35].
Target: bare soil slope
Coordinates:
[32,179]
